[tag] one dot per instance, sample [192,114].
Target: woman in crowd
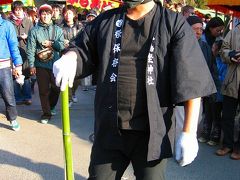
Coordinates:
[214,30]
[22,26]
[70,29]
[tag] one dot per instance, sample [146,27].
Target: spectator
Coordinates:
[45,42]
[89,80]
[213,30]
[207,18]
[221,72]
[70,28]
[187,11]
[197,26]
[151,62]
[91,15]
[9,52]
[230,53]
[178,7]
[33,17]
[22,24]
[56,16]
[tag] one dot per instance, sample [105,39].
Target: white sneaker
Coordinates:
[74,99]
[44,121]
[70,104]
[15,126]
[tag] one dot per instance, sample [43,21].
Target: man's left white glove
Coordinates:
[64,70]
[186,148]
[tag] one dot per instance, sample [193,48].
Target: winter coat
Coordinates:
[24,27]
[37,36]
[231,42]
[71,32]
[8,45]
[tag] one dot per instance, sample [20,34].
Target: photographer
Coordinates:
[45,41]
[230,53]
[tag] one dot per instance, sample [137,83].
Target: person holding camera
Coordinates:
[230,53]
[45,42]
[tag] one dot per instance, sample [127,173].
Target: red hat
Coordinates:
[45,7]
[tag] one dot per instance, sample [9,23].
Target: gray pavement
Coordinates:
[36,151]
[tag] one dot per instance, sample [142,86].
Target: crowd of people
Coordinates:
[40,41]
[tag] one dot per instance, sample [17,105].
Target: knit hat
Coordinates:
[45,7]
[193,20]
[92,13]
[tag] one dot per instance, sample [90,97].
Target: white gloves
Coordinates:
[186,148]
[64,70]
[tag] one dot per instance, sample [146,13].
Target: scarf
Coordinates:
[17,20]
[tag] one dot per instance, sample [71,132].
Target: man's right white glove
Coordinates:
[64,70]
[186,148]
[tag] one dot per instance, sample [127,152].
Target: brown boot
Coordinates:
[235,155]
[223,151]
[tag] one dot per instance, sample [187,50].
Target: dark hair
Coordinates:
[207,16]
[218,43]
[56,6]
[214,22]
[3,15]
[186,8]
[69,7]
[17,4]
[32,14]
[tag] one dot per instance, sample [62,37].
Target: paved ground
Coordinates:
[36,151]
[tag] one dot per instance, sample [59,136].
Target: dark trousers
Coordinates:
[48,91]
[212,115]
[110,164]
[228,120]
[73,90]
[7,93]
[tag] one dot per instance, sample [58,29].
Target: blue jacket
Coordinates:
[9,43]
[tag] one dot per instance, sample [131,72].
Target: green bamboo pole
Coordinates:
[67,143]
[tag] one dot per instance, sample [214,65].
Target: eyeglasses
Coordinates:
[198,29]
[192,14]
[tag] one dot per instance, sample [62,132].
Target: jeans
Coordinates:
[7,93]
[23,93]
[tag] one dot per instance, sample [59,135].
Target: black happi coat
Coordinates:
[181,73]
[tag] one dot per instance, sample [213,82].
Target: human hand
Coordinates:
[66,43]
[47,43]
[234,56]
[17,71]
[23,36]
[186,148]
[64,70]
[32,70]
